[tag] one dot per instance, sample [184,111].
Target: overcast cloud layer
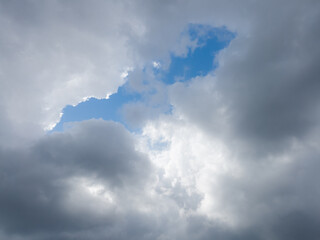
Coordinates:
[236,158]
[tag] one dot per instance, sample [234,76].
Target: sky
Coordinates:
[159,120]
[197,61]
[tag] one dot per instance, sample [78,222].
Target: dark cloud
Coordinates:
[44,193]
[297,225]
[36,183]
[105,150]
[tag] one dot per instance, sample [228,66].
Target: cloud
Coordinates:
[58,183]
[237,158]
[270,196]
[54,54]
[265,88]
[90,182]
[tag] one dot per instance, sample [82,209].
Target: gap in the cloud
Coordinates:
[107,109]
[199,61]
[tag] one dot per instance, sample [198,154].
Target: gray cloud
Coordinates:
[261,104]
[43,196]
[36,183]
[266,83]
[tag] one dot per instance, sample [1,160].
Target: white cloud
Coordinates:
[156,65]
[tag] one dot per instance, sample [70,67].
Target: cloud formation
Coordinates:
[69,181]
[236,158]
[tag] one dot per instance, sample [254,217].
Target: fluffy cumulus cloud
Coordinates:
[230,155]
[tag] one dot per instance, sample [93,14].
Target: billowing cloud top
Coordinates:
[229,154]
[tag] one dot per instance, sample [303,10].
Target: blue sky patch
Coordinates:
[107,109]
[198,62]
